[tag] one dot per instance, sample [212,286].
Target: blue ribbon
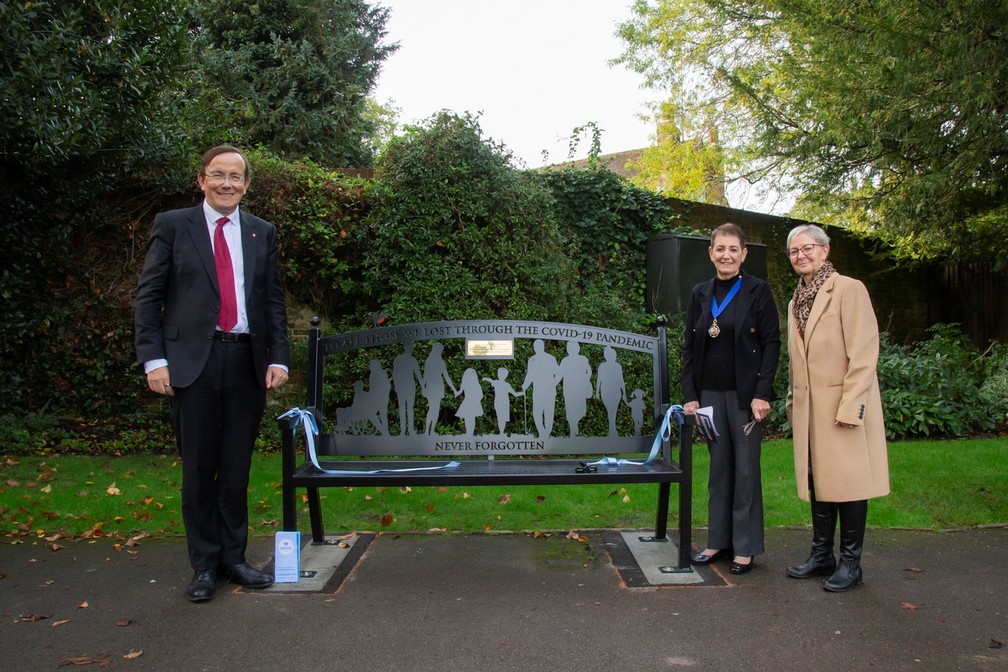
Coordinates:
[307,420]
[664,434]
[718,309]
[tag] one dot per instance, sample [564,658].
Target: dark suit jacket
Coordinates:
[757,340]
[177,301]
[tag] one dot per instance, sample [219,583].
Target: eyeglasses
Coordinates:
[804,249]
[221,177]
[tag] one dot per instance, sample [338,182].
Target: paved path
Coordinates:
[931,601]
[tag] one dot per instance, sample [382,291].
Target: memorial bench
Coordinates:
[611,383]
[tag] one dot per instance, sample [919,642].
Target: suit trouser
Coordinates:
[216,423]
[735,490]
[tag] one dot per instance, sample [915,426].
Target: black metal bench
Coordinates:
[375,438]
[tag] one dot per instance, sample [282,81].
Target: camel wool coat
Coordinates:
[833,378]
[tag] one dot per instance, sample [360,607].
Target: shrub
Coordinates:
[934,387]
[457,232]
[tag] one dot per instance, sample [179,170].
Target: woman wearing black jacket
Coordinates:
[730,353]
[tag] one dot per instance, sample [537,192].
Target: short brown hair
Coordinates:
[209,155]
[729,229]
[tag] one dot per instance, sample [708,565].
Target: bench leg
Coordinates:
[661,522]
[315,513]
[685,524]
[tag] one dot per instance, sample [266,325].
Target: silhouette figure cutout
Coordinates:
[435,375]
[610,387]
[379,392]
[502,398]
[637,410]
[406,375]
[541,374]
[472,400]
[354,418]
[575,372]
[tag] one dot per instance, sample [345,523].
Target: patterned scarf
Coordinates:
[804,295]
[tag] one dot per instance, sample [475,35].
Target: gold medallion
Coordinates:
[714,329]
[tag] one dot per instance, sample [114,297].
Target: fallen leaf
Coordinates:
[406,488]
[135,539]
[466,495]
[270,523]
[540,499]
[367,498]
[487,528]
[350,536]
[54,547]
[626,499]
[342,544]
[45,488]
[908,606]
[63,622]
[101,661]
[113,490]
[429,508]
[387,519]
[133,654]
[147,500]
[83,605]
[504,499]
[31,618]
[915,570]
[995,644]
[12,483]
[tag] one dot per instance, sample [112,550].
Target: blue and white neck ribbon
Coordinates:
[664,434]
[307,420]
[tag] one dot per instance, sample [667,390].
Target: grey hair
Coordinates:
[814,231]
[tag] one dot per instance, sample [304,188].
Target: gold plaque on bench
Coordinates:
[483,349]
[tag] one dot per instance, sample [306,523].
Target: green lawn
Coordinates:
[936,485]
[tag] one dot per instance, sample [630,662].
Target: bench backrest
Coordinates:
[491,387]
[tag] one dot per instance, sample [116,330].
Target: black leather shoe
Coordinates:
[203,586]
[707,558]
[245,575]
[739,568]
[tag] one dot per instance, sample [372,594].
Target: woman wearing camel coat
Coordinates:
[834,406]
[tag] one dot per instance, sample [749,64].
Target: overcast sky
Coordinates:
[534,70]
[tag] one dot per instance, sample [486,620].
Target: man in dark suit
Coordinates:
[211,334]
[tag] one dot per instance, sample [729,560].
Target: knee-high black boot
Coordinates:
[853,517]
[821,561]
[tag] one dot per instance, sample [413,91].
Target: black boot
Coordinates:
[853,516]
[821,562]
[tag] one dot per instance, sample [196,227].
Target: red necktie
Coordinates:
[228,316]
